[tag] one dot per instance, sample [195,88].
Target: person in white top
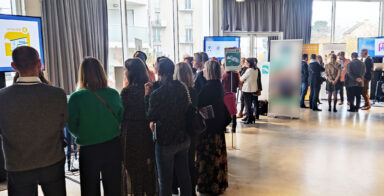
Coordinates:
[252,88]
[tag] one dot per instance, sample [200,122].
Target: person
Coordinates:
[304,80]
[252,89]
[141,55]
[367,77]
[315,80]
[95,114]
[355,79]
[321,62]
[333,72]
[198,63]
[32,120]
[42,78]
[231,81]
[138,146]
[344,63]
[166,106]
[189,60]
[183,73]
[211,151]
[242,103]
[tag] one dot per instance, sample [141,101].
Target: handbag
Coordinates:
[194,121]
[124,171]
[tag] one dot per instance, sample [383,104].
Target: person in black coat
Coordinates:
[315,80]
[211,150]
[304,80]
[198,63]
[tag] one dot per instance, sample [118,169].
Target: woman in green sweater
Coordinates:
[95,114]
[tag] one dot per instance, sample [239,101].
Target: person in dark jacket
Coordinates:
[211,151]
[242,101]
[138,146]
[184,74]
[304,80]
[367,77]
[198,63]
[315,80]
[166,106]
[354,82]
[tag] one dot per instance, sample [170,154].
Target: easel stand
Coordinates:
[234,123]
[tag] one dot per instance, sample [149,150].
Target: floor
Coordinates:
[332,154]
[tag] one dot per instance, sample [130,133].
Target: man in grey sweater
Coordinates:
[32,118]
[354,81]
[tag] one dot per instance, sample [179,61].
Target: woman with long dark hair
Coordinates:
[252,88]
[138,146]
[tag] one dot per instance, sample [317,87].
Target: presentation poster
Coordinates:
[265,69]
[232,59]
[379,47]
[18,31]
[215,46]
[284,82]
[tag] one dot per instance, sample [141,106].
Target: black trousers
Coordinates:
[341,92]
[314,97]
[104,159]
[249,100]
[51,179]
[355,94]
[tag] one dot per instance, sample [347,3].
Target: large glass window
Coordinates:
[321,21]
[356,19]
[5,7]
[115,58]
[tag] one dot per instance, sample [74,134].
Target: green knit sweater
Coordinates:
[90,120]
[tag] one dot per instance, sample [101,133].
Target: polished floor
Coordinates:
[320,154]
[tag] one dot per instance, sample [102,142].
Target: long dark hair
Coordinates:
[137,73]
[166,69]
[252,62]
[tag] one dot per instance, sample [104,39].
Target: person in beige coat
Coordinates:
[333,72]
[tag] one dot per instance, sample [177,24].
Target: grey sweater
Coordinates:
[355,69]
[32,118]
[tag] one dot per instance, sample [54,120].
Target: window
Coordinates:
[157,4]
[356,19]
[156,35]
[188,4]
[157,19]
[188,35]
[130,17]
[115,41]
[321,22]
[188,19]
[5,7]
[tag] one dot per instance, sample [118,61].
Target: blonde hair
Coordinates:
[183,73]
[92,75]
[213,70]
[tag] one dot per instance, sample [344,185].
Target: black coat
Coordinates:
[200,81]
[304,72]
[315,78]
[213,94]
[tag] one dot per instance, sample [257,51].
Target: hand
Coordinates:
[152,126]
[147,87]
[359,80]
[334,82]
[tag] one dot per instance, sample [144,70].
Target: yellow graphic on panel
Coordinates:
[14,38]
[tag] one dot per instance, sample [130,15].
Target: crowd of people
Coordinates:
[340,72]
[136,142]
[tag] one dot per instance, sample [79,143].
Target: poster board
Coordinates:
[284,87]
[265,69]
[232,59]
[310,49]
[326,49]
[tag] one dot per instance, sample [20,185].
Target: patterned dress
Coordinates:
[138,144]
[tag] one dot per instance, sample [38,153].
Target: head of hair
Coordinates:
[183,73]
[166,68]
[188,59]
[364,51]
[141,55]
[92,75]
[198,62]
[136,71]
[354,55]
[320,59]
[333,58]
[25,59]
[204,57]
[252,62]
[313,56]
[305,56]
[213,70]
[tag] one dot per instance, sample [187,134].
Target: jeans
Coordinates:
[169,158]
[249,100]
[304,90]
[104,158]
[341,92]
[314,97]
[355,93]
[51,179]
